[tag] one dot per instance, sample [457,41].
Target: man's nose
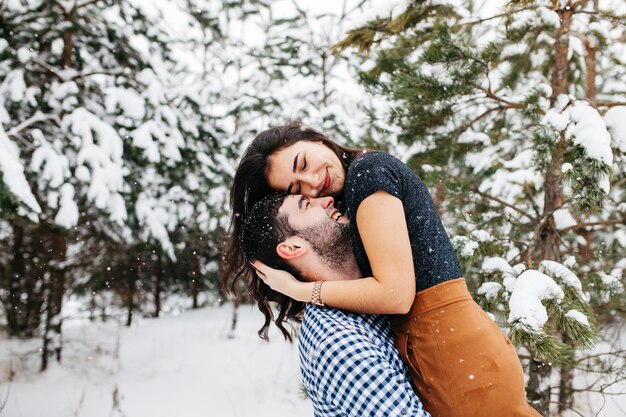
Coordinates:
[326,202]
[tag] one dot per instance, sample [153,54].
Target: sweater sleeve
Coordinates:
[372,172]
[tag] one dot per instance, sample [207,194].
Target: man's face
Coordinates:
[320,223]
[304,212]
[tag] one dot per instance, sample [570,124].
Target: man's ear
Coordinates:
[291,249]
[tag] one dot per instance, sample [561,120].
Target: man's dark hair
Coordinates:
[261,232]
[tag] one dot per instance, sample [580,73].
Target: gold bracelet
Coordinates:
[315,295]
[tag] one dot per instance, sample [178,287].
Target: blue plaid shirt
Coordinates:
[350,366]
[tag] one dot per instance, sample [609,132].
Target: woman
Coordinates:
[460,362]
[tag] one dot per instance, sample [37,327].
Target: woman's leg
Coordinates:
[461,363]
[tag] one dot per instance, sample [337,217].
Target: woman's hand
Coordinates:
[283,282]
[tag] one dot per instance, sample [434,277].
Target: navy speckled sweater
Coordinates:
[433,255]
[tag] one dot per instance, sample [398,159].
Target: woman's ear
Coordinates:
[290,249]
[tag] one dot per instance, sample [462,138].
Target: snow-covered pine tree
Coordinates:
[58,59]
[514,114]
[106,140]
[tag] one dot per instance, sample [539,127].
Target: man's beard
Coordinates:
[332,241]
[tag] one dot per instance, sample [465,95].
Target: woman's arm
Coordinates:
[391,290]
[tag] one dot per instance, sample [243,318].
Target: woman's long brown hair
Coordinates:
[250,186]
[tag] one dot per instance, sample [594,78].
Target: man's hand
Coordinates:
[283,282]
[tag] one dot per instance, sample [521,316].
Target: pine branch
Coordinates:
[599,355]
[592,224]
[486,19]
[604,14]
[48,68]
[569,247]
[62,8]
[89,74]
[543,346]
[24,141]
[618,183]
[362,38]
[36,118]
[614,93]
[531,199]
[476,119]
[589,386]
[609,103]
[489,93]
[85,4]
[345,13]
[568,408]
[502,101]
[502,202]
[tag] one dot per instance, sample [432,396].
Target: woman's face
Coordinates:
[305,167]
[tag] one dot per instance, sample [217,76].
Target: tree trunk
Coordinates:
[547,240]
[52,337]
[233,323]
[324,82]
[33,283]
[58,287]
[566,388]
[93,305]
[14,275]
[538,395]
[440,196]
[236,303]
[590,64]
[25,279]
[130,304]
[68,43]
[584,250]
[130,307]
[103,313]
[560,66]
[158,283]
[195,287]
[45,343]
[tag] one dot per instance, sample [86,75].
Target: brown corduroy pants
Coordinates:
[461,363]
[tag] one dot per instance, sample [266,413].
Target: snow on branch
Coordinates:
[13,177]
[615,119]
[36,118]
[101,148]
[564,274]
[155,215]
[68,214]
[531,288]
[589,131]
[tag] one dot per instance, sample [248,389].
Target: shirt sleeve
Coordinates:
[372,172]
[354,375]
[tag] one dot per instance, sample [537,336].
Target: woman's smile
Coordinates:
[327,181]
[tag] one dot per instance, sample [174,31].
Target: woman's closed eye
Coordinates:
[294,188]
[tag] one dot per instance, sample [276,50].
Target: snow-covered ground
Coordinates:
[186,365]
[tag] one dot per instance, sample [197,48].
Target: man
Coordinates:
[349,364]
